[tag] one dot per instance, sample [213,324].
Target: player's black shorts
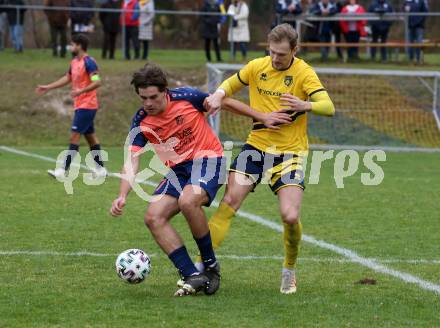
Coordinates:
[282,170]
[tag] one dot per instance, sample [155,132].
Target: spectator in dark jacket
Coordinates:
[16,22]
[380,28]
[285,8]
[416,25]
[81,20]
[58,25]
[209,28]
[110,25]
[324,8]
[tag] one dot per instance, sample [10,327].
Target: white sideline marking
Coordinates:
[347,253]
[222,256]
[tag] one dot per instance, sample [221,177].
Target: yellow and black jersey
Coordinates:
[266,85]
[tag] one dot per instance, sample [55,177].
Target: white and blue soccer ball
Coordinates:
[133,265]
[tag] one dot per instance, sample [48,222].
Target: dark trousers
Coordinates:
[109,44]
[208,49]
[382,36]
[61,32]
[132,35]
[415,36]
[325,38]
[353,37]
[338,39]
[243,48]
[145,48]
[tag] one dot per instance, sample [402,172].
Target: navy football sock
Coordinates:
[206,250]
[182,261]
[96,152]
[73,149]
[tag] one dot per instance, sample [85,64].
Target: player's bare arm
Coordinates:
[270,120]
[128,175]
[214,101]
[319,104]
[293,103]
[43,89]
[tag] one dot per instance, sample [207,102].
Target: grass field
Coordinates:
[57,251]
[395,223]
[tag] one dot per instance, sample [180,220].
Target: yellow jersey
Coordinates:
[266,85]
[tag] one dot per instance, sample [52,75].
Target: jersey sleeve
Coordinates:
[195,96]
[136,136]
[237,81]
[90,65]
[312,84]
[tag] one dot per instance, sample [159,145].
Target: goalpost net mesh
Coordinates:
[373,108]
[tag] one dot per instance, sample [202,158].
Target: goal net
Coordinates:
[373,108]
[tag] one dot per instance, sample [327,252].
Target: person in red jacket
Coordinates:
[352,29]
[130,23]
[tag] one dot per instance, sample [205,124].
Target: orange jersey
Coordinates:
[180,133]
[80,73]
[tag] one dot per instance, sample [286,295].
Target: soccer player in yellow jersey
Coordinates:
[278,81]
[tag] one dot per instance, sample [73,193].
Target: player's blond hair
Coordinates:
[283,32]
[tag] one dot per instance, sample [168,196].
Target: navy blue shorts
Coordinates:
[283,170]
[207,173]
[83,121]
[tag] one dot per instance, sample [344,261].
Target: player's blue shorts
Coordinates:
[83,121]
[207,173]
[283,170]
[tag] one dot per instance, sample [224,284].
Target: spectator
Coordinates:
[353,29]
[110,25]
[58,20]
[130,23]
[416,25]
[2,27]
[380,28]
[310,31]
[209,28]
[284,8]
[81,20]
[146,22]
[16,22]
[337,28]
[239,33]
[324,8]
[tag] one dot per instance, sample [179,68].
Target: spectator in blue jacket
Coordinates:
[380,28]
[416,25]
[324,8]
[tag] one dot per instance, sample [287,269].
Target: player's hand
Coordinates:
[293,103]
[213,103]
[75,93]
[272,120]
[117,206]
[41,90]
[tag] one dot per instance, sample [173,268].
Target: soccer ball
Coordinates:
[133,266]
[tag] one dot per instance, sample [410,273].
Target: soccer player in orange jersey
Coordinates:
[84,76]
[173,122]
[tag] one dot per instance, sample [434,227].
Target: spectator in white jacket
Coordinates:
[239,33]
[146,22]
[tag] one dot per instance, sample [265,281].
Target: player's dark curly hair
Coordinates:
[82,40]
[150,75]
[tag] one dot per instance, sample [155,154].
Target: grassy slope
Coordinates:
[395,220]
